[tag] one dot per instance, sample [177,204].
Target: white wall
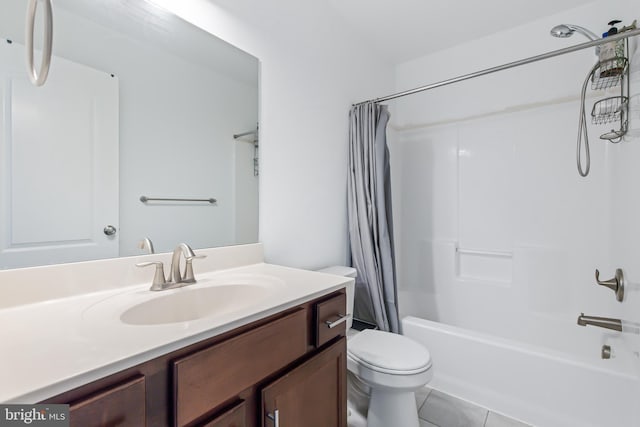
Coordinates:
[489,164]
[309,78]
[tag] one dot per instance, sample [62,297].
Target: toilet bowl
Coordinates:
[384,371]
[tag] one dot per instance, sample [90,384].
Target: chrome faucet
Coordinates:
[176,278]
[601,322]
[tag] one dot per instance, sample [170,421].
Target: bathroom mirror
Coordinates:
[138,103]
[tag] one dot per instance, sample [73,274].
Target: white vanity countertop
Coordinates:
[52,346]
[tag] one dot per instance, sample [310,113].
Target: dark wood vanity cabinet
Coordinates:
[291,362]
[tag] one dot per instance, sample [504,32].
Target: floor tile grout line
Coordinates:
[446,395]
[425,400]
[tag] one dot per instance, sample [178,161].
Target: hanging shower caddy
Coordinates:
[608,73]
[612,73]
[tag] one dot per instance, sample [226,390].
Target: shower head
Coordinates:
[567,30]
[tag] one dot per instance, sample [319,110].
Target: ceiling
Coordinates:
[399,30]
[406,29]
[153,26]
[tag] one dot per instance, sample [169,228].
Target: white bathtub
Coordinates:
[526,382]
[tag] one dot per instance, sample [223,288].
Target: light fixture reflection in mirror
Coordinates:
[136,103]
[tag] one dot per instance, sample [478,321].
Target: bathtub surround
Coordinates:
[498,237]
[370,218]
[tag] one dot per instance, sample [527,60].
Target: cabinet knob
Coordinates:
[275,417]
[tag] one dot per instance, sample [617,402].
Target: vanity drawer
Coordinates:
[330,320]
[208,378]
[233,417]
[122,405]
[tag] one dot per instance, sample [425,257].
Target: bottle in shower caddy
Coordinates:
[610,51]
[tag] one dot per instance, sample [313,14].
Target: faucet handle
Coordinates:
[159,280]
[188,269]
[616,284]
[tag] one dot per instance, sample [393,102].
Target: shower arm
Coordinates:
[587,33]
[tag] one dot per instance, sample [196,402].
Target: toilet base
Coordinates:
[389,408]
[354,417]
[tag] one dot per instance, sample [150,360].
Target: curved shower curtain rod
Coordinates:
[506,66]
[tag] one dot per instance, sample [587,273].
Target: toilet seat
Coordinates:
[388,353]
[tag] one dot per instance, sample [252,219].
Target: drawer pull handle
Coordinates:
[275,417]
[342,318]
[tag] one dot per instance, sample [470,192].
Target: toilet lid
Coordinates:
[388,352]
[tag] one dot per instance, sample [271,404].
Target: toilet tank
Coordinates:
[340,270]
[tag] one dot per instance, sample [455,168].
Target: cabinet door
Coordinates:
[122,405]
[312,395]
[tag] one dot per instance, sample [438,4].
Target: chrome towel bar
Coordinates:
[145,199]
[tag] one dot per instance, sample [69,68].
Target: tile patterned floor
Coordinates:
[437,409]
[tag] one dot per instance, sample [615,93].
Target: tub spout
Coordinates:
[601,322]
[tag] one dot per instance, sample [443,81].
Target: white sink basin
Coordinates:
[213,295]
[193,303]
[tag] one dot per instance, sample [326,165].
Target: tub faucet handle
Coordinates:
[616,284]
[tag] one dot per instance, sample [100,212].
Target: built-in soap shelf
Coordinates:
[484,265]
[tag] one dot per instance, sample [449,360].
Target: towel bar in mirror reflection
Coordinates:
[145,199]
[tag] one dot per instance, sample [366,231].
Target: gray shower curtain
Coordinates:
[370,220]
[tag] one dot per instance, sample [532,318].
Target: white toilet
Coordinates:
[384,371]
